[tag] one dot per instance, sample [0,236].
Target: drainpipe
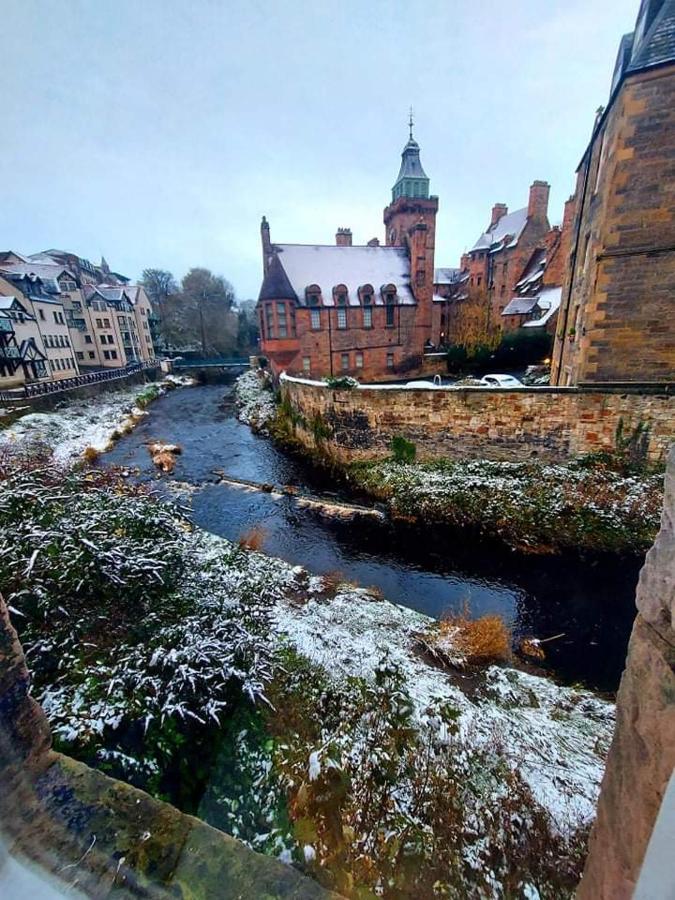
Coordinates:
[330,343]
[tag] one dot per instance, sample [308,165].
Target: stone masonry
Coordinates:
[521,424]
[642,755]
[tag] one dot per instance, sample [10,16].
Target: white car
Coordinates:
[500,381]
[436,383]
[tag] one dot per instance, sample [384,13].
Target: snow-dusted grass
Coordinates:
[168,656]
[256,405]
[529,506]
[75,425]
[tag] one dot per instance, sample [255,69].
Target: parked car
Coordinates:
[500,381]
[436,383]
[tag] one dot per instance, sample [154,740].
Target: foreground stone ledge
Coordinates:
[103,836]
[642,756]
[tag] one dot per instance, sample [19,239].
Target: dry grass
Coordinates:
[333,580]
[253,539]
[459,640]
[90,454]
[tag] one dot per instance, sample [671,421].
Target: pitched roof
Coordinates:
[657,45]
[330,265]
[8,303]
[446,275]
[549,302]
[41,270]
[519,306]
[276,285]
[509,226]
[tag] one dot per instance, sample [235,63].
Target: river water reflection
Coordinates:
[590,604]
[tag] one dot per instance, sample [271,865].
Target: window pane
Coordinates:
[390,360]
[367,317]
[342,318]
[359,360]
[316,319]
[306,363]
[345,360]
[390,315]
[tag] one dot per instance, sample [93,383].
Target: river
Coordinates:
[590,604]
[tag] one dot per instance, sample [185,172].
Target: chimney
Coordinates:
[464,262]
[343,238]
[537,207]
[374,242]
[499,210]
[266,244]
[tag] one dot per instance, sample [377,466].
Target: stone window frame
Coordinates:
[315,319]
[307,364]
[358,359]
[344,362]
[390,360]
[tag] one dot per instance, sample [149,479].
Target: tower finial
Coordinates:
[410,123]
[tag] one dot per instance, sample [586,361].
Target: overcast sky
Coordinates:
[158,132]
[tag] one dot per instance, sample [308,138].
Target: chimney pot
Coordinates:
[343,237]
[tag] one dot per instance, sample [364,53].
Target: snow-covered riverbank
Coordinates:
[77,424]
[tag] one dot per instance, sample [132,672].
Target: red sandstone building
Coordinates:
[343,309]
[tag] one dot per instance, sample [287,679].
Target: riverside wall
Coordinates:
[519,424]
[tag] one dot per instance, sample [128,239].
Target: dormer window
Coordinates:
[388,292]
[313,295]
[340,293]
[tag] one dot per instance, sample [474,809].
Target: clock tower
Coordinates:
[410,221]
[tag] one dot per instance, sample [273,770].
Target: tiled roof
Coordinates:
[511,225]
[658,44]
[41,270]
[549,302]
[328,266]
[276,285]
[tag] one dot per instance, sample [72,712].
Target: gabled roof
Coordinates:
[328,266]
[29,350]
[509,226]
[13,303]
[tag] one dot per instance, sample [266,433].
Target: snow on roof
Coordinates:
[548,300]
[518,306]
[511,224]
[41,270]
[329,265]
[446,275]
[8,303]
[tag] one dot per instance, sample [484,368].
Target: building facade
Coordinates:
[70,317]
[616,322]
[342,309]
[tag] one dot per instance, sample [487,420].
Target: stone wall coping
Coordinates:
[533,390]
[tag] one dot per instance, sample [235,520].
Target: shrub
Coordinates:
[91,454]
[147,395]
[403,450]
[341,383]
[253,539]
[459,640]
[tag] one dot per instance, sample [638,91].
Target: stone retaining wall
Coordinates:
[547,423]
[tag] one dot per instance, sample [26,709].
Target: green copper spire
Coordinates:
[412,180]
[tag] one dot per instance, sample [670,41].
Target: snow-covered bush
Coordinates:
[527,505]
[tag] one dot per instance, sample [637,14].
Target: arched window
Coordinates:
[313,295]
[367,297]
[340,294]
[388,292]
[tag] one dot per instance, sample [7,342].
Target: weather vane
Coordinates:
[410,122]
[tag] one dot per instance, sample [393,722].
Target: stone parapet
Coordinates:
[543,423]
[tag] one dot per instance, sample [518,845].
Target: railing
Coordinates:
[200,363]
[42,388]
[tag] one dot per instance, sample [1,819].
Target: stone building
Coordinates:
[354,310]
[497,259]
[536,296]
[80,321]
[616,322]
